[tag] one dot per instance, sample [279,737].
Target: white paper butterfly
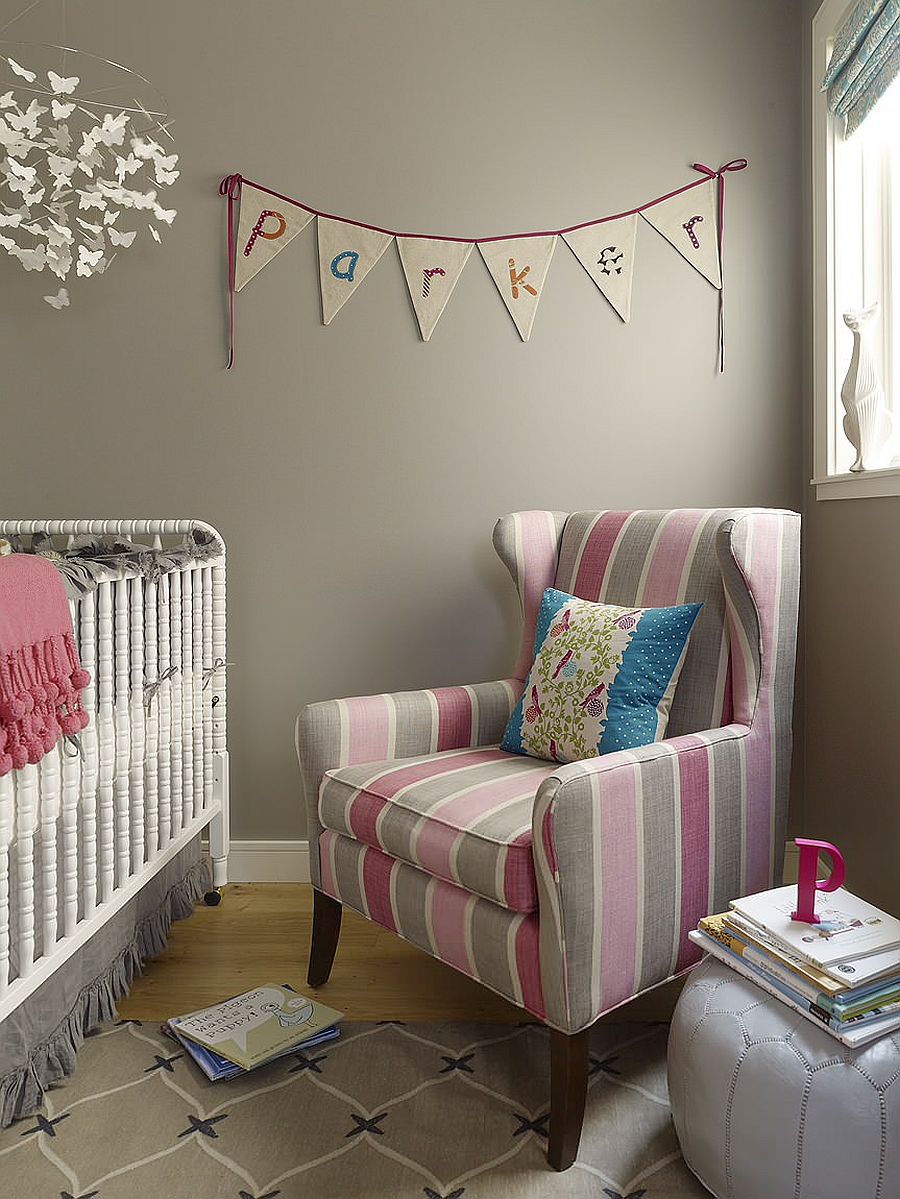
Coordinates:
[61,86]
[121,239]
[60,300]
[29,76]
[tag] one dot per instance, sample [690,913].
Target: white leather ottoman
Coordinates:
[767,1106]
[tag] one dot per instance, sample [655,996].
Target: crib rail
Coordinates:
[83,830]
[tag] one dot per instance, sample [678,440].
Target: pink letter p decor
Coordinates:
[807,884]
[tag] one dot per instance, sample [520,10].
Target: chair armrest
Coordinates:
[406,724]
[631,849]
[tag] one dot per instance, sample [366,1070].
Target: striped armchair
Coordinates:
[570,889]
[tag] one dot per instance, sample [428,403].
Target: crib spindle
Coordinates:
[219,832]
[69,825]
[208,691]
[89,761]
[123,733]
[48,816]
[7,820]
[106,743]
[151,709]
[187,696]
[175,691]
[138,724]
[26,820]
[218,682]
[162,701]
[197,672]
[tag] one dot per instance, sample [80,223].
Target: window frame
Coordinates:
[829,480]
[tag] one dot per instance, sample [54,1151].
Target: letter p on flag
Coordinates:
[808,884]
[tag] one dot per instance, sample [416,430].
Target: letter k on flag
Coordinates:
[519,268]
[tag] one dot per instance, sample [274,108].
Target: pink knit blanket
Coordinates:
[41,678]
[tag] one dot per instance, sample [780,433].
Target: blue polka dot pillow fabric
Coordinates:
[603,678]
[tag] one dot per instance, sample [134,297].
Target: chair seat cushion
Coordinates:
[462,815]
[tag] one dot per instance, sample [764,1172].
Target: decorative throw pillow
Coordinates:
[603,678]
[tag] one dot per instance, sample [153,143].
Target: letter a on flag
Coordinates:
[688,221]
[265,227]
[606,251]
[346,255]
[432,268]
[519,268]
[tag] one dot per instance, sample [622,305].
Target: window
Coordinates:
[856,261]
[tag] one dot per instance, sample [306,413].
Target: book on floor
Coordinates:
[219,1069]
[257,1026]
[850,928]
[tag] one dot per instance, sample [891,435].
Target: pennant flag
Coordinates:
[519,267]
[606,251]
[347,253]
[265,227]
[688,221]
[432,268]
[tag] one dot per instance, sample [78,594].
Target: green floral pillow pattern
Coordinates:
[603,678]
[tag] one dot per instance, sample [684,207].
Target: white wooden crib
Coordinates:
[84,830]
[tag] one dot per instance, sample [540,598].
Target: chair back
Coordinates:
[742,564]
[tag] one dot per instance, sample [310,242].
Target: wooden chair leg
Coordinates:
[569,1057]
[326,928]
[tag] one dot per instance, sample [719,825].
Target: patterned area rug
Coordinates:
[390,1111]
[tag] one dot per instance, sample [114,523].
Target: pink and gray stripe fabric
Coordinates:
[571,888]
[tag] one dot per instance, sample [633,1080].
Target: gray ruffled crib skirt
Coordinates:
[40,1039]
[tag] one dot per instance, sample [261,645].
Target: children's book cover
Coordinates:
[848,927]
[258,1025]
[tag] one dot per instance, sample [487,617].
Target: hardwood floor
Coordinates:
[260,933]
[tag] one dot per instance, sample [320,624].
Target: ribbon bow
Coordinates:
[152,688]
[210,671]
[736,164]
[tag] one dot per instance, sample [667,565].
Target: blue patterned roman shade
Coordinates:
[865,60]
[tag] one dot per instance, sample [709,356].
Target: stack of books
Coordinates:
[249,1030]
[842,974]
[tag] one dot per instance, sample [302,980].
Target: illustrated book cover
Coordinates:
[258,1025]
[850,927]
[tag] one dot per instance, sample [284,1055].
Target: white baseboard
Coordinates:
[268,862]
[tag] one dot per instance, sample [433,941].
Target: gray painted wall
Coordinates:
[355,472]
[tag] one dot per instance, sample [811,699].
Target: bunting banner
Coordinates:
[607,254]
[519,267]
[432,268]
[347,253]
[688,221]
[691,218]
[264,229]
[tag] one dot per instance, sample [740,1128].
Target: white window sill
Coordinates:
[861,485]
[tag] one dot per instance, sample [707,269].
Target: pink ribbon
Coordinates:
[736,164]
[231,187]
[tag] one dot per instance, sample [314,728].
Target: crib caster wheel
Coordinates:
[212,899]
